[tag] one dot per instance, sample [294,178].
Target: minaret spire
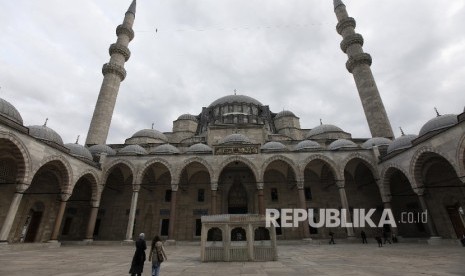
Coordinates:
[359,64]
[114,73]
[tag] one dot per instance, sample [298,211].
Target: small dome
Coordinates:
[439,122]
[79,151]
[403,142]
[199,148]
[98,149]
[150,133]
[235,99]
[285,113]
[45,133]
[376,141]
[188,117]
[307,145]
[9,111]
[236,138]
[323,129]
[342,143]
[165,149]
[273,146]
[132,149]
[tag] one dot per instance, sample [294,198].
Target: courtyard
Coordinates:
[294,259]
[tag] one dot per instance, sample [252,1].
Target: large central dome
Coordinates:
[235,99]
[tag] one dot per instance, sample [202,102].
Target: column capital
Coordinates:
[214,186]
[21,187]
[300,184]
[340,184]
[95,203]
[64,197]
[136,187]
[174,187]
[260,186]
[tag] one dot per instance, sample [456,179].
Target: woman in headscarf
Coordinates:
[137,265]
[157,255]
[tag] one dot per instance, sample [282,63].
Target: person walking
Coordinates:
[137,265]
[364,237]
[157,255]
[331,234]
[387,236]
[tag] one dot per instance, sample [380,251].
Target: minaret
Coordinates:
[359,65]
[114,73]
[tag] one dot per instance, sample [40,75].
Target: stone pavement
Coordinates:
[300,259]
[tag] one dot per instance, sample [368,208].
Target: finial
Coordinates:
[132,8]
[402,131]
[337,3]
[437,112]
[321,122]
[46,120]
[153,125]
[77,139]
[235,92]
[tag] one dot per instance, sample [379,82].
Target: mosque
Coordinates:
[236,156]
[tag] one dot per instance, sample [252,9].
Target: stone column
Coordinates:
[91,224]
[174,190]
[303,205]
[430,223]
[214,188]
[10,217]
[61,212]
[345,205]
[132,213]
[250,241]
[261,200]
[226,242]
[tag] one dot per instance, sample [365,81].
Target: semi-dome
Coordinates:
[235,99]
[98,149]
[79,151]
[199,148]
[9,111]
[342,143]
[285,113]
[150,133]
[307,145]
[439,122]
[236,138]
[273,146]
[132,149]
[403,142]
[321,129]
[45,133]
[376,141]
[188,117]
[165,149]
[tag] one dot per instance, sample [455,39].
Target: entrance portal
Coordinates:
[237,198]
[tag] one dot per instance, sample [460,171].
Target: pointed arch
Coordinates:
[416,164]
[461,156]
[93,178]
[244,160]
[109,168]
[331,165]
[153,161]
[191,160]
[67,170]
[369,163]
[25,169]
[284,159]
[386,173]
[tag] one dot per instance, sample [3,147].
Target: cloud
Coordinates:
[284,53]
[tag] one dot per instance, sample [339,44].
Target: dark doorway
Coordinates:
[165,225]
[33,227]
[456,220]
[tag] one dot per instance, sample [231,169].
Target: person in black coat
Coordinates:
[137,265]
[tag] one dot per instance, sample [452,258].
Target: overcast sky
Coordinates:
[284,53]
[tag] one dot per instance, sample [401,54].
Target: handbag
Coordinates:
[159,255]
